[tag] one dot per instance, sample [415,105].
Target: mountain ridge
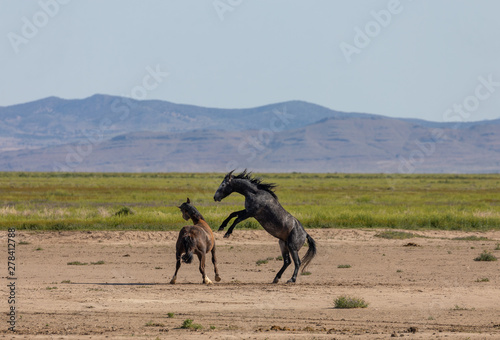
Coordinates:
[108,133]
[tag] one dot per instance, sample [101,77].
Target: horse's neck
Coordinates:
[196,217]
[244,187]
[201,223]
[196,220]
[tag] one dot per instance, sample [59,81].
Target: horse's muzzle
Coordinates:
[217,196]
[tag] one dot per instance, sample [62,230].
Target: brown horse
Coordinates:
[197,239]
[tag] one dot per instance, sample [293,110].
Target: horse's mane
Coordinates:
[269,187]
[192,211]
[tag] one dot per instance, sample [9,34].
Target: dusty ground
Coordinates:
[435,288]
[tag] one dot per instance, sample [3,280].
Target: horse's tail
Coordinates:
[311,252]
[188,243]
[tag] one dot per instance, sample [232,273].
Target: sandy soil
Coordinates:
[431,289]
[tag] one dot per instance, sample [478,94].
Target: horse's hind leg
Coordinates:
[296,262]
[286,261]
[214,261]
[295,240]
[201,257]
[177,266]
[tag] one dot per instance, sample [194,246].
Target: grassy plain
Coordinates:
[89,201]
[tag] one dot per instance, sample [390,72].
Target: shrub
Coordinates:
[97,263]
[124,211]
[350,302]
[486,256]
[77,263]
[462,308]
[484,279]
[188,324]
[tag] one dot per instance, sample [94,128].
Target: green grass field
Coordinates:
[89,201]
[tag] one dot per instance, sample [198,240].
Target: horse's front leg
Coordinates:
[231,216]
[243,215]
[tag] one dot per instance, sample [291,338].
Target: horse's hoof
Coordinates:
[221,228]
[226,235]
[172,281]
[207,281]
[291,281]
[276,280]
[217,278]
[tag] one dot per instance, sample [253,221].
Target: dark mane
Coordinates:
[192,211]
[269,187]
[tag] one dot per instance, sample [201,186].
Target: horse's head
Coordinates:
[190,212]
[186,209]
[225,188]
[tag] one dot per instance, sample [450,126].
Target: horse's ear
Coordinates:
[230,175]
[188,201]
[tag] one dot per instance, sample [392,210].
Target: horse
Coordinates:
[262,204]
[195,239]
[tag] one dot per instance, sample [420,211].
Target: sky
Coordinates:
[426,59]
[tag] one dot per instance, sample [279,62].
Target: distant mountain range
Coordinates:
[107,133]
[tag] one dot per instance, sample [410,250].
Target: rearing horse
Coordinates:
[262,204]
[197,239]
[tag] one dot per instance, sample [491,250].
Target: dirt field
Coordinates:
[431,289]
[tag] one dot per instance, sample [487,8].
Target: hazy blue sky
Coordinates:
[436,60]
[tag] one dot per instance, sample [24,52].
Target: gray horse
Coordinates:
[262,204]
